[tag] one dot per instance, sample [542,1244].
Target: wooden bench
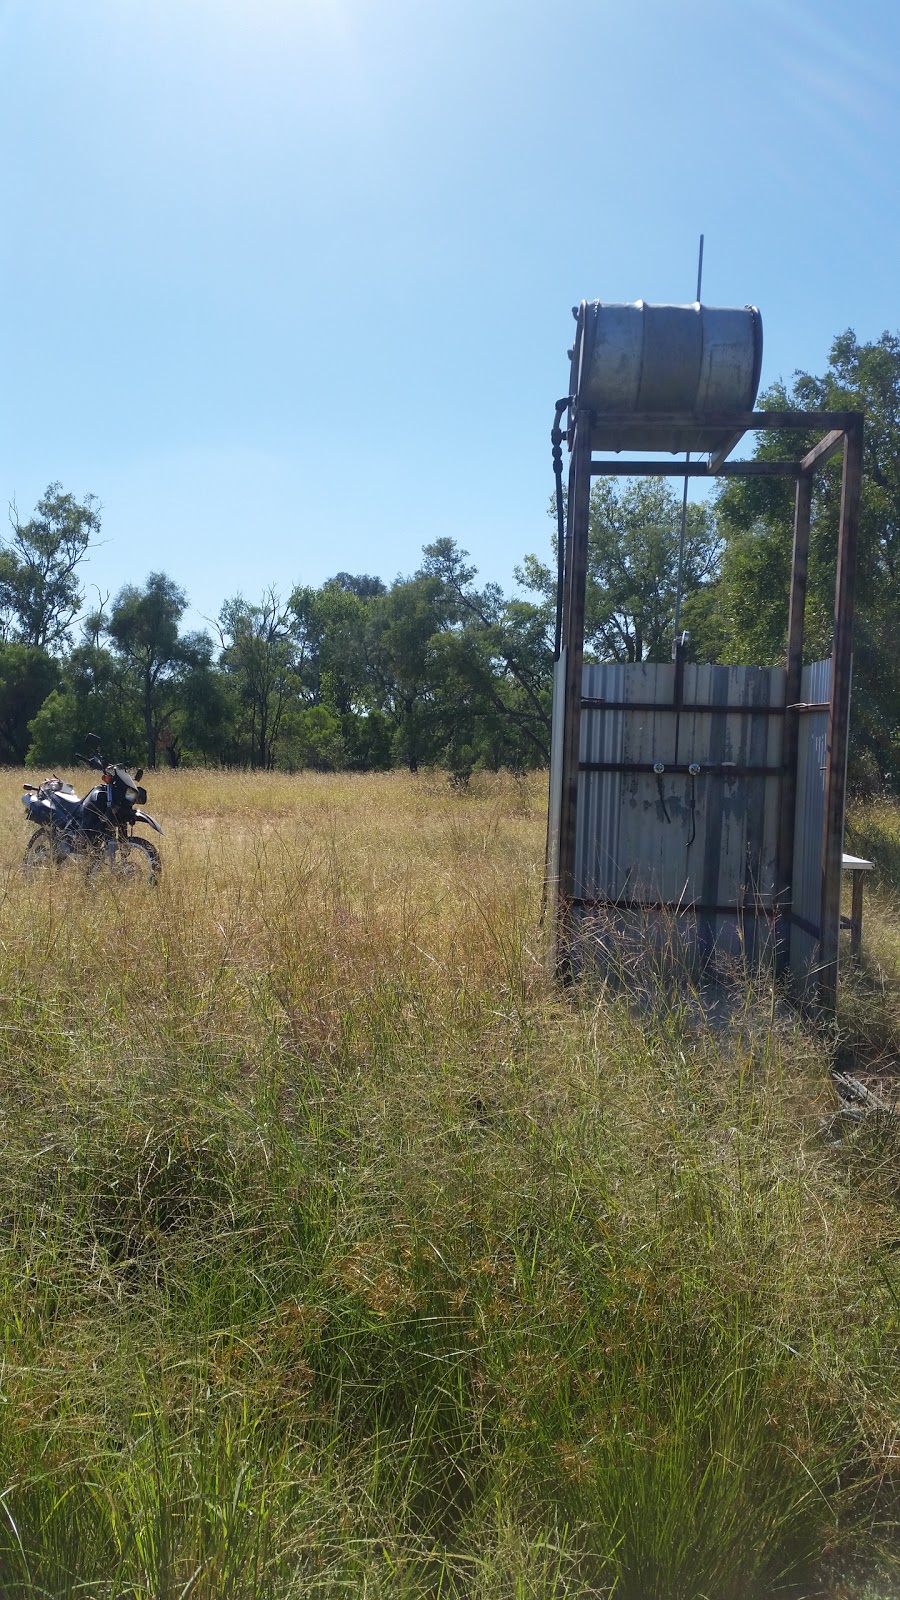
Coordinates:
[857,869]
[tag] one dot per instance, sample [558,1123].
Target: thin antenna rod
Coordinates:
[687,462]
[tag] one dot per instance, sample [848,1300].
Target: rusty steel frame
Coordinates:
[843,429]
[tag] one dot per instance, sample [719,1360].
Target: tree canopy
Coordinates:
[747,616]
[40,594]
[437,667]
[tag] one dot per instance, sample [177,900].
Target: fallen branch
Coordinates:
[858,1091]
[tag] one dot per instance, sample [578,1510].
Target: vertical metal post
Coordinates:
[839,715]
[856,914]
[791,731]
[684,498]
[579,506]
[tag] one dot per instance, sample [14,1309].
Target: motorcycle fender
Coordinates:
[144,816]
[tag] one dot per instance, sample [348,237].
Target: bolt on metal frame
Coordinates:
[839,430]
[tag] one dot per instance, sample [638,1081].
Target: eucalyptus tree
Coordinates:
[259,657]
[755,518]
[40,593]
[492,662]
[143,628]
[632,572]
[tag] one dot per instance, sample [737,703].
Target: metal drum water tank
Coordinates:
[635,359]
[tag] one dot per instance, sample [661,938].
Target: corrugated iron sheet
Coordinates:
[696,844]
[692,859]
[556,765]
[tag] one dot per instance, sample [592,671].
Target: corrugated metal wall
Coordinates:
[700,843]
[691,859]
[556,764]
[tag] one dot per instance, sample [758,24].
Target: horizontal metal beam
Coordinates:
[826,447]
[695,469]
[684,908]
[681,908]
[590,703]
[713,769]
[729,421]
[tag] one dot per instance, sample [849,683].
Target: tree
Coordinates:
[40,595]
[401,626]
[328,626]
[203,722]
[493,668]
[259,657]
[27,676]
[756,521]
[359,583]
[143,627]
[633,539]
[94,696]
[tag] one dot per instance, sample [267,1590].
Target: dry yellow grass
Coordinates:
[340,1253]
[279,891]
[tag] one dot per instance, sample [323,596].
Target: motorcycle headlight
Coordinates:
[131,794]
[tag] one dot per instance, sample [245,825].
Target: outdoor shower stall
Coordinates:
[703,802]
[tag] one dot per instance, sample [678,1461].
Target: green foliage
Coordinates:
[204,715]
[402,624]
[329,627]
[314,738]
[492,669]
[143,628]
[27,675]
[263,666]
[352,675]
[633,542]
[749,602]
[40,595]
[367,741]
[756,516]
[95,697]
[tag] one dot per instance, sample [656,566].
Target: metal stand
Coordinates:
[840,430]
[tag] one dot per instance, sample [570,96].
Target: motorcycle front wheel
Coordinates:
[137,860]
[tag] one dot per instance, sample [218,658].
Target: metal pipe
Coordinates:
[839,714]
[684,497]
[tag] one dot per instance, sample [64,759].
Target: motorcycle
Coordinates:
[98,828]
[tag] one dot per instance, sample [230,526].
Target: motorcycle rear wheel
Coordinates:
[44,850]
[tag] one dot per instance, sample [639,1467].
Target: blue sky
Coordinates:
[287,284]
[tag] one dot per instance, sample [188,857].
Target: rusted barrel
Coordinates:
[637,359]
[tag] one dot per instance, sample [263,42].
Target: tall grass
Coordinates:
[340,1254]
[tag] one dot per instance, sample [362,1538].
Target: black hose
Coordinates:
[556,439]
[693,811]
[662,798]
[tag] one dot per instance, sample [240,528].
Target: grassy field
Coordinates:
[339,1254]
